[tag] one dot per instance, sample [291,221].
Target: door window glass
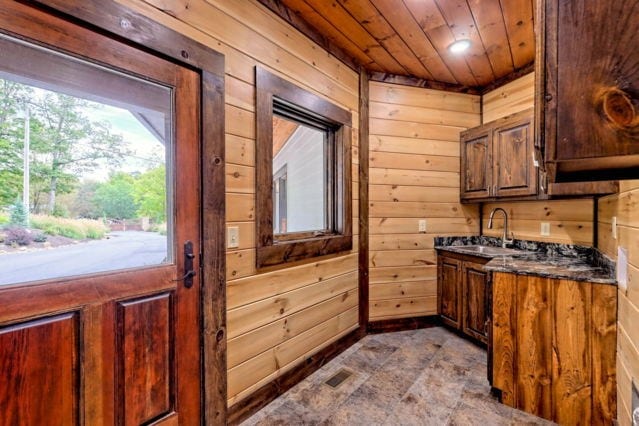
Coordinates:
[85,167]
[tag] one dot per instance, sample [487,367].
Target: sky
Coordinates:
[147,150]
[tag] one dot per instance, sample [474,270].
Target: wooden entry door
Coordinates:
[114,344]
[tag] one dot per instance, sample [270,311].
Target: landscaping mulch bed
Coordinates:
[51,242]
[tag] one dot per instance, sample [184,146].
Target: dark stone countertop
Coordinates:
[562,261]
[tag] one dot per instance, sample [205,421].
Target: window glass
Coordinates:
[300,176]
[84,155]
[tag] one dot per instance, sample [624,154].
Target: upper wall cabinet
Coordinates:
[497,159]
[588,89]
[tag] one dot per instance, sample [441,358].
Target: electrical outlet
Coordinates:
[233,237]
[422,225]
[545,229]
[614,227]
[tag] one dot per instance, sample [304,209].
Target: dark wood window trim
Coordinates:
[274,251]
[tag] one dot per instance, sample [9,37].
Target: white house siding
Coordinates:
[303,155]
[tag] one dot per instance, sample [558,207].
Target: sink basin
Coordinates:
[489,251]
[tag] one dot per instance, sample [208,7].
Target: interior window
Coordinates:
[303,163]
[84,167]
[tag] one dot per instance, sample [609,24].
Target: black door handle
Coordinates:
[188,265]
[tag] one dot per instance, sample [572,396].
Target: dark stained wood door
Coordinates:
[475,300]
[449,290]
[476,164]
[119,347]
[514,170]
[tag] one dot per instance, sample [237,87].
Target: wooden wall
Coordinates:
[414,174]
[510,98]
[624,206]
[571,221]
[276,318]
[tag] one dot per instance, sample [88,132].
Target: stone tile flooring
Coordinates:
[422,377]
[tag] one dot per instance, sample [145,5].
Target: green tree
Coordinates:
[149,192]
[83,200]
[12,99]
[114,199]
[18,214]
[67,143]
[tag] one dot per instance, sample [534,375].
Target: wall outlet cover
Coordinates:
[545,229]
[614,227]
[622,268]
[233,237]
[422,225]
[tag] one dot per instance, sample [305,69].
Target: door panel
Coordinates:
[145,331]
[40,358]
[133,333]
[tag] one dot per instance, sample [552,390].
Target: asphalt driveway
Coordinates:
[122,250]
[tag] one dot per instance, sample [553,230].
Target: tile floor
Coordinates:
[422,377]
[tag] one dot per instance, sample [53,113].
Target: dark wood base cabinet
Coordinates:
[463,293]
[553,347]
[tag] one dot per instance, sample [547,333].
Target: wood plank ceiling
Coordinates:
[411,37]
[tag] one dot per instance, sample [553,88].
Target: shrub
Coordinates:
[18,214]
[40,237]
[17,235]
[60,211]
[78,229]
[160,228]
[4,218]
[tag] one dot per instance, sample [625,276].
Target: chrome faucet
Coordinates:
[504,238]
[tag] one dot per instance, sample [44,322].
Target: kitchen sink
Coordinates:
[489,251]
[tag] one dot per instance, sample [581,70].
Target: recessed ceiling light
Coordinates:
[459,46]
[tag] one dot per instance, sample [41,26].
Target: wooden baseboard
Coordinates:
[403,324]
[267,393]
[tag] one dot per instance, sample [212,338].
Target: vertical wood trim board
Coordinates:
[248,34]
[625,207]
[363,200]
[413,175]
[571,221]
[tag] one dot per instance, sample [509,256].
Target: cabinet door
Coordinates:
[476,160]
[514,170]
[592,83]
[449,291]
[475,301]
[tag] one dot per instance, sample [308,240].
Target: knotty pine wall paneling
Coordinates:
[278,317]
[413,175]
[571,221]
[625,207]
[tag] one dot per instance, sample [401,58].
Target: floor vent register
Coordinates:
[338,378]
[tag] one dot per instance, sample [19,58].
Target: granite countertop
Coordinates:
[562,261]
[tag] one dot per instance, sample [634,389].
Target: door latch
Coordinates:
[188,265]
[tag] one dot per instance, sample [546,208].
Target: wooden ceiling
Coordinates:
[411,37]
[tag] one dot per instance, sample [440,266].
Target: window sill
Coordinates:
[293,251]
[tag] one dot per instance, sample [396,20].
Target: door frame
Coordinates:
[132,27]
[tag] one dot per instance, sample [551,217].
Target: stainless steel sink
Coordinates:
[489,251]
